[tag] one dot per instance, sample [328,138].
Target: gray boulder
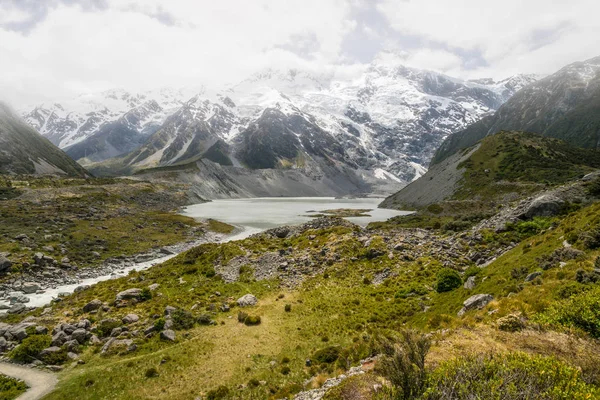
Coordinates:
[92,306]
[247,300]
[59,338]
[477,301]
[17,308]
[532,276]
[546,205]
[168,335]
[130,318]
[469,283]
[50,350]
[30,287]
[17,297]
[5,263]
[79,335]
[133,293]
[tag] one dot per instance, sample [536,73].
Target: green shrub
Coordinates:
[285,370]
[581,311]
[182,319]
[151,372]
[159,324]
[403,363]
[30,348]
[11,388]
[242,316]
[471,271]
[146,294]
[513,376]
[412,289]
[447,280]
[204,319]
[252,320]
[511,323]
[55,358]
[217,394]
[327,355]
[106,326]
[288,308]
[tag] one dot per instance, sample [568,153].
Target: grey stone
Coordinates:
[17,297]
[5,263]
[477,301]
[469,283]
[59,338]
[169,310]
[133,293]
[92,306]
[247,300]
[168,335]
[30,287]
[79,335]
[50,350]
[17,308]
[545,205]
[532,276]
[130,318]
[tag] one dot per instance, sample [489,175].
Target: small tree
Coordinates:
[403,363]
[447,280]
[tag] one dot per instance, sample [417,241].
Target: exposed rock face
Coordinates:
[247,300]
[477,301]
[546,205]
[130,319]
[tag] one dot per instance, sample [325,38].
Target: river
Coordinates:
[250,216]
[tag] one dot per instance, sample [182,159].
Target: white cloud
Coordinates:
[126,45]
[512,35]
[139,44]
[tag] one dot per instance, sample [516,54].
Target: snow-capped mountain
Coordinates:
[385,118]
[564,105]
[71,122]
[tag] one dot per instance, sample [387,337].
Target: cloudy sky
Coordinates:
[51,49]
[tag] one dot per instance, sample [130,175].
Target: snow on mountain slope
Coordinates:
[385,117]
[69,122]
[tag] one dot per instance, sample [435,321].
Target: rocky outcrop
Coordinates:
[476,302]
[247,300]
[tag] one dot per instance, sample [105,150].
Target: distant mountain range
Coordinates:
[385,122]
[25,151]
[564,105]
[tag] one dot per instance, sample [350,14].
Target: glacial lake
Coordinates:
[258,214]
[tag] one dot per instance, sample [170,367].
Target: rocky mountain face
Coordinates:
[565,105]
[385,121]
[96,127]
[24,151]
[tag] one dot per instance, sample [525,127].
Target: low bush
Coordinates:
[30,348]
[447,280]
[146,294]
[242,316]
[511,323]
[252,320]
[182,319]
[512,376]
[327,355]
[204,319]
[288,308]
[580,311]
[159,324]
[11,388]
[471,271]
[151,372]
[403,363]
[217,394]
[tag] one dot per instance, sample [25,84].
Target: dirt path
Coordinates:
[40,383]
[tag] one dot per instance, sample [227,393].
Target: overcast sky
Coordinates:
[51,49]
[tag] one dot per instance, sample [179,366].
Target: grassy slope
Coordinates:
[112,217]
[339,307]
[507,166]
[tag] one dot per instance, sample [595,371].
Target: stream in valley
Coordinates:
[249,216]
